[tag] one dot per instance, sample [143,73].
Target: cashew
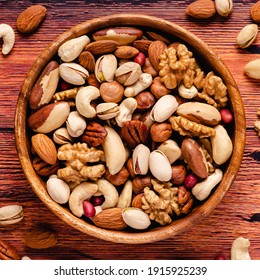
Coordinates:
[83,98]
[109,192]
[187,93]
[125,197]
[114,149]
[144,81]
[7,33]
[126,109]
[239,249]
[202,190]
[82,192]
[75,124]
[222,146]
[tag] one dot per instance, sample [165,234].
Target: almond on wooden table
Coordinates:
[255,12]
[30,19]
[201,9]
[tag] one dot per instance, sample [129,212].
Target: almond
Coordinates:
[30,19]
[155,50]
[126,52]
[201,9]
[110,218]
[45,148]
[87,60]
[157,37]
[40,237]
[142,45]
[101,47]
[255,12]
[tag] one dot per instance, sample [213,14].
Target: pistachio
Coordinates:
[222,146]
[187,93]
[224,7]
[75,124]
[128,73]
[11,214]
[108,110]
[171,149]
[105,68]
[61,136]
[136,218]
[247,35]
[141,155]
[72,48]
[73,73]
[160,166]
[58,190]
[164,108]
[199,112]
[252,69]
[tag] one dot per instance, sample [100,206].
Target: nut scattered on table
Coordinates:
[135,137]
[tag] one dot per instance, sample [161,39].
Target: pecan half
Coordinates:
[43,168]
[94,134]
[134,132]
[8,252]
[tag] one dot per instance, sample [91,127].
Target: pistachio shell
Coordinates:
[75,124]
[247,35]
[107,110]
[136,218]
[160,166]
[131,72]
[105,68]
[224,7]
[164,108]
[141,155]
[252,69]
[11,214]
[73,73]
[58,190]
[61,136]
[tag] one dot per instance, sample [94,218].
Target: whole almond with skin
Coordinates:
[44,147]
[8,252]
[101,47]
[87,60]
[30,19]
[40,237]
[156,48]
[201,9]
[110,218]
[126,52]
[142,45]
[255,12]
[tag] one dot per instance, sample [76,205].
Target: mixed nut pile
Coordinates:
[128,128]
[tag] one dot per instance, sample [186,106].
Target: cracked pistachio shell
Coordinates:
[11,214]
[141,156]
[107,110]
[73,73]
[252,69]
[71,49]
[224,7]
[75,124]
[247,35]
[136,218]
[128,73]
[105,68]
[164,108]
[61,136]
[160,166]
[58,189]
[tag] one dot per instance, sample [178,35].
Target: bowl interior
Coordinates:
[211,61]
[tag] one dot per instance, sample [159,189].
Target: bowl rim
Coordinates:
[177,226]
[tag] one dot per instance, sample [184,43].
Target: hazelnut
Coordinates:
[158,89]
[148,68]
[178,174]
[130,167]
[145,100]
[112,91]
[119,178]
[137,201]
[160,131]
[141,182]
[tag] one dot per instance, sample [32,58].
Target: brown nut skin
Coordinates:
[158,89]
[126,52]
[145,100]
[137,201]
[142,45]
[119,178]
[112,91]
[160,132]
[156,48]
[140,183]
[8,252]
[130,167]
[194,157]
[101,47]
[43,168]
[87,60]
[94,134]
[178,174]
[148,68]
[37,97]
[92,81]
[185,200]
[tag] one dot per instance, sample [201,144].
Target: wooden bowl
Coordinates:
[205,54]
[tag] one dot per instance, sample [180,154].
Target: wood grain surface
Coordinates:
[236,216]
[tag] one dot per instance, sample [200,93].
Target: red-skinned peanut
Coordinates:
[190,181]
[88,208]
[140,59]
[97,200]
[226,116]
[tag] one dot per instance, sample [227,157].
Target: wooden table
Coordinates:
[234,217]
